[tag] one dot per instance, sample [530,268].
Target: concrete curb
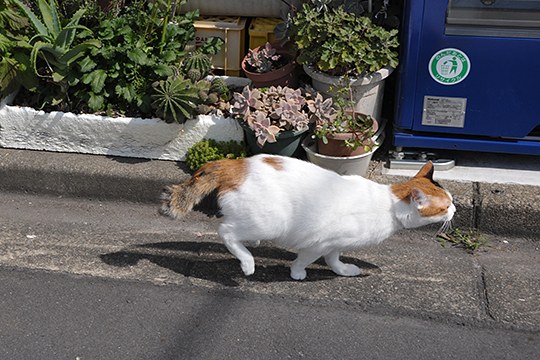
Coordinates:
[500,209]
[91,176]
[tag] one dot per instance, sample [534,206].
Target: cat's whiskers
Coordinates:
[445,227]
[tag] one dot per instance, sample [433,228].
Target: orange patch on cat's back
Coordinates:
[275,162]
[228,174]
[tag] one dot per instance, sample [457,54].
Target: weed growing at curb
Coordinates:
[470,239]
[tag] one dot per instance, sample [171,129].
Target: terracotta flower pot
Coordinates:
[286,75]
[336,143]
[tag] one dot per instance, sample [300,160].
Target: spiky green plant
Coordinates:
[56,48]
[175,99]
[194,75]
[197,60]
[219,86]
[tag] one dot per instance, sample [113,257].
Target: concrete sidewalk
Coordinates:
[496,207]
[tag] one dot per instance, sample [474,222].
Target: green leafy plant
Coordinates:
[210,150]
[470,239]
[339,42]
[14,48]
[55,49]
[143,45]
[360,127]
[62,65]
[137,50]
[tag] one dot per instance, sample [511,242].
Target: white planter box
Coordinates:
[27,128]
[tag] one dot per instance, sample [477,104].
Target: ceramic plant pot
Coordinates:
[287,144]
[343,165]
[367,91]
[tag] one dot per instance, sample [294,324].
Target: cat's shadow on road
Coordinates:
[212,261]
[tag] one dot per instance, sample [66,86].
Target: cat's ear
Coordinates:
[419,198]
[426,171]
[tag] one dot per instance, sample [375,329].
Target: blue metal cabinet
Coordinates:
[469,77]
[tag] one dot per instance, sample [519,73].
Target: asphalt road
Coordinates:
[58,316]
[83,279]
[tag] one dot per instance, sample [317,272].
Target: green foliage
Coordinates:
[470,239]
[43,55]
[139,67]
[198,63]
[10,19]
[109,69]
[137,50]
[347,120]
[209,150]
[176,99]
[339,42]
[14,49]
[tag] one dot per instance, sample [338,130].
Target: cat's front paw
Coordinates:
[298,274]
[248,267]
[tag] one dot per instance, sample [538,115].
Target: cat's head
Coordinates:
[423,201]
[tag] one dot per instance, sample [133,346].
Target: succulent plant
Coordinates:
[219,87]
[209,150]
[343,119]
[175,99]
[272,110]
[197,60]
[194,75]
[264,59]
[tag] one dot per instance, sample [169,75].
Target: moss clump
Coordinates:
[209,150]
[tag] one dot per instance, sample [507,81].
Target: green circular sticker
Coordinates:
[449,66]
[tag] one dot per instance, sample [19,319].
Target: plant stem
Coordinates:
[164,31]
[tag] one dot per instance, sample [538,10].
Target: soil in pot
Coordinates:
[335,145]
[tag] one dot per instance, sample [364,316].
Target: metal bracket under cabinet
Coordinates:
[414,160]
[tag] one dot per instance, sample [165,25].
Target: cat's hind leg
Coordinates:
[235,247]
[340,267]
[305,258]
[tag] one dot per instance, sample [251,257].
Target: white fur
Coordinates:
[313,211]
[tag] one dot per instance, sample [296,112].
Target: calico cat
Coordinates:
[303,207]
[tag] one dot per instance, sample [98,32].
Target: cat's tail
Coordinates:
[223,175]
